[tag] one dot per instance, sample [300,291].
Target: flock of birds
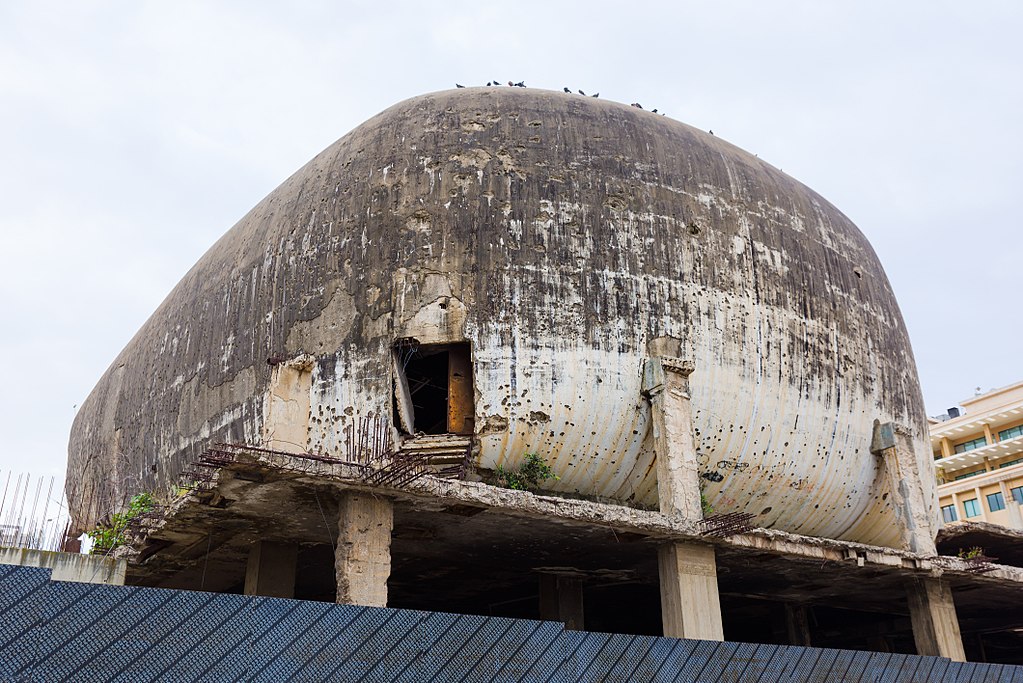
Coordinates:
[522,84]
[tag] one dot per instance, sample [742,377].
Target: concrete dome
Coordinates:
[557,241]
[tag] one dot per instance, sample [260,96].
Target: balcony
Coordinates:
[994,451]
[959,427]
[981,480]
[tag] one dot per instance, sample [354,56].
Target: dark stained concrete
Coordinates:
[563,238]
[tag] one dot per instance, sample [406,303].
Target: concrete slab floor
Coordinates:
[467,547]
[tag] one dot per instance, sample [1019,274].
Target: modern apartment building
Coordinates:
[978,456]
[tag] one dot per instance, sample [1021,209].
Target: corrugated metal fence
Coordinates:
[56,631]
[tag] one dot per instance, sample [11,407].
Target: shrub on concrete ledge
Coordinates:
[529,475]
[106,537]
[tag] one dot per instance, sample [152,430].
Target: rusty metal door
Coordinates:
[461,411]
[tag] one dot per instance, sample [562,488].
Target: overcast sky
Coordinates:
[134,134]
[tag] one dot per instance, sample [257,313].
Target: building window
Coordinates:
[948,512]
[1010,433]
[995,502]
[969,474]
[1017,494]
[970,445]
[971,507]
[1011,462]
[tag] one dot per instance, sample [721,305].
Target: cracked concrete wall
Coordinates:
[559,236]
[288,406]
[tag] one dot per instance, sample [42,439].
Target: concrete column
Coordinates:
[666,386]
[1015,520]
[980,503]
[271,569]
[690,605]
[946,447]
[988,436]
[896,447]
[362,561]
[797,623]
[561,599]
[933,614]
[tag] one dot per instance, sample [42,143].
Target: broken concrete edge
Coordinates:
[69,566]
[951,532]
[429,491]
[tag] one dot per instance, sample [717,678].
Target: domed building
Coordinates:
[490,276]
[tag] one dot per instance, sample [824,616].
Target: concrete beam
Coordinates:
[690,604]
[362,560]
[271,570]
[935,624]
[561,599]
[69,566]
[666,386]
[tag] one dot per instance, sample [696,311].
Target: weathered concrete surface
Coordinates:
[69,566]
[453,542]
[251,494]
[1000,542]
[690,604]
[363,555]
[910,496]
[666,385]
[933,613]
[561,237]
[287,409]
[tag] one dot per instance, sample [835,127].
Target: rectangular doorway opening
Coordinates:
[433,388]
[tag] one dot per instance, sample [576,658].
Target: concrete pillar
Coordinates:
[946,447]
[666,386]
[797,623]
[561,599]
[362,561]
[988,436]
[1011,507]
[980,503]
[896,447]
[690,605]
[271,570]
[1015,519]
[933,614]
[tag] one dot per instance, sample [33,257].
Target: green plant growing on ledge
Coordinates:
[106,537]
[973,553]
[529,475]
[705,507]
